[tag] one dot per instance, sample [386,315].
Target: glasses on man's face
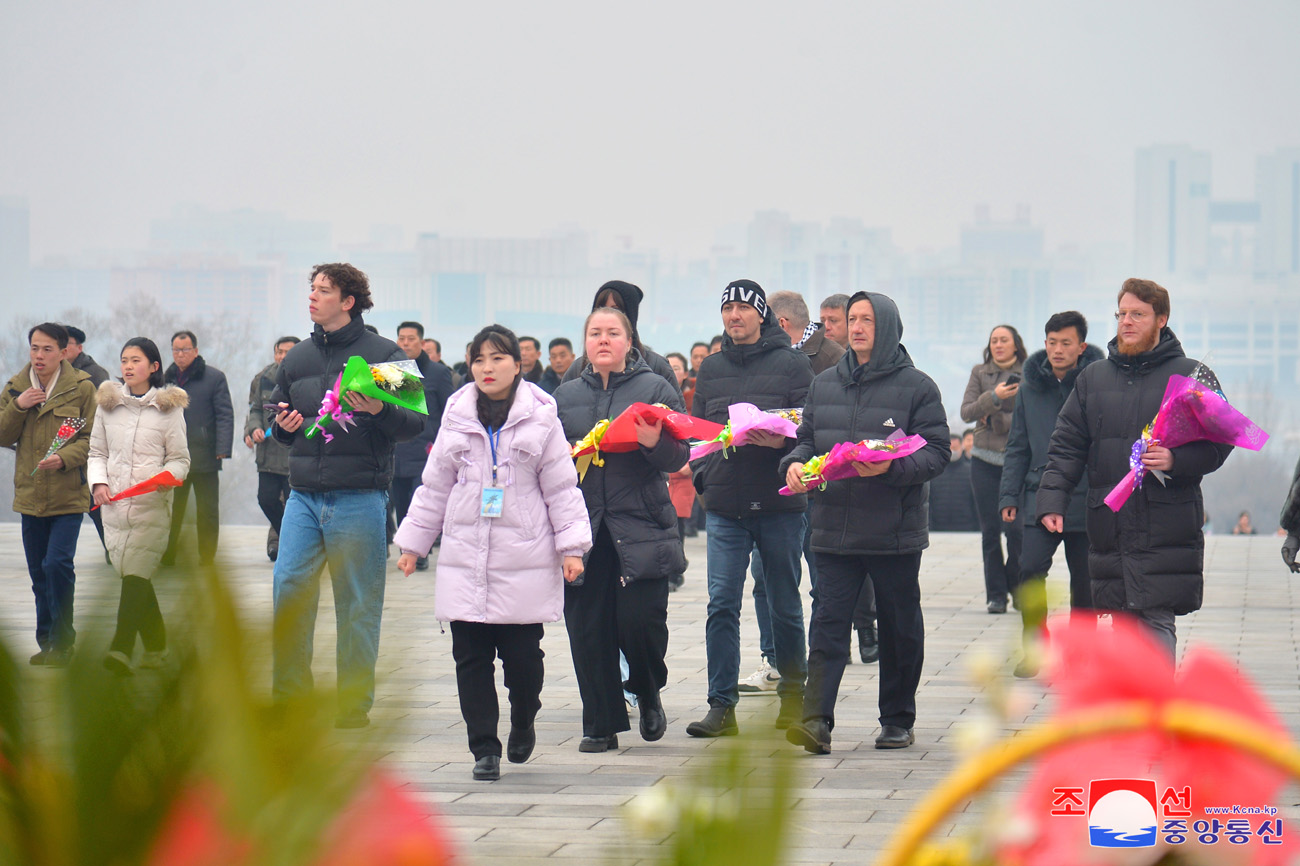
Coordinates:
[1134,316]
[176,351]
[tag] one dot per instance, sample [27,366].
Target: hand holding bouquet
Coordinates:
[618,435]
[69,428]
[840,461]
[396,382]
[744,420]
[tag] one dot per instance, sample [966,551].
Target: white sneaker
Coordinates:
[765,679]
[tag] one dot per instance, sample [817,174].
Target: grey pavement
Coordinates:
[564,805]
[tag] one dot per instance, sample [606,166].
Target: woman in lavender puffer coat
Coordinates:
[500,449]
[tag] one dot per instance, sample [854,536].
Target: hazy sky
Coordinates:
[661,121]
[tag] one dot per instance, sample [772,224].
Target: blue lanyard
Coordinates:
[494,437]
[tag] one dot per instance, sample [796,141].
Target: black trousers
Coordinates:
[206,486]
[475,646]
[400,493]
[272,493]
[138,613]
[864,612]
[603,617]
[1000,576]
[1036,560]
[902,632]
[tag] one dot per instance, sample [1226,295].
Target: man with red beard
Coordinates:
[1147,559]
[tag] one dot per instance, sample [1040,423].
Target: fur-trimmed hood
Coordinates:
[165,399]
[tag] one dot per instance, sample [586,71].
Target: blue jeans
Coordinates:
[762,609]
[344,529]
[50,544]
[779,538]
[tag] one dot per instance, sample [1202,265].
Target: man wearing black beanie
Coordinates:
[743,508]
[627,298]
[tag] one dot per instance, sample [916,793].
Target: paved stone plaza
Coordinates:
[564,805]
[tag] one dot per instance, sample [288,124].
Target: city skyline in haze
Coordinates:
[660,125]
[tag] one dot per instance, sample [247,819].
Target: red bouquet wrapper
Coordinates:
[149,485]
[620,436]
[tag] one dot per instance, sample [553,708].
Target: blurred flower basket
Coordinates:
[1203,740]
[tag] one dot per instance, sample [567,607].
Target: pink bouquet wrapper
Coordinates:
[742,420]
[1189,412]
[839,462]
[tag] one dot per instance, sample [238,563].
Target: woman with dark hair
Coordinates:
[622,603]
[501,489]
[989,401]
[139,432]
[626,298]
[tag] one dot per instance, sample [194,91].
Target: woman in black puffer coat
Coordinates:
[621,602]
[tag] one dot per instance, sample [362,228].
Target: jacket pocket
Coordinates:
[1174,514]
[1102,523]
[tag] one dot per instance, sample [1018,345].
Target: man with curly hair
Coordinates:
[336,511]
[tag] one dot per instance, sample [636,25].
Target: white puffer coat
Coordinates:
[134,439]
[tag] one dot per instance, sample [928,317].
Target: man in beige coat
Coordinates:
[50,490]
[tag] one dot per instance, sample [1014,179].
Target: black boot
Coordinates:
[791,711]
[868,648]
[519,746]
[653,721]
[813,734]
[719,722]
[488,768]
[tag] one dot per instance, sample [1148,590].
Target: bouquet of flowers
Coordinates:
[794,416]
[396,382]
[69,428]
[838,463]
[160,481]
[744,419]
[619,434]
[1190,411]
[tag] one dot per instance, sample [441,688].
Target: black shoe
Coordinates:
[998,606]
[353,719]
[894,737]
[791,711]
[599,744]
[39,658]
[868,647]
[422,563]
[59,658]
[719,722]
[519,746]
[1026,669]
[813,734]
[653,721]
[488,768]
[119,663]
[272,545]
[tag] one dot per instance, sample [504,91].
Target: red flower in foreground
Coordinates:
[383,826]
[1091,669]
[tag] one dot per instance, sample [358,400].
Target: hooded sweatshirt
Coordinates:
[884,514]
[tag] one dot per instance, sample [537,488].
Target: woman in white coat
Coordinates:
[139,432]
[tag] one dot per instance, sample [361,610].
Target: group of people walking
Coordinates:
[524,540]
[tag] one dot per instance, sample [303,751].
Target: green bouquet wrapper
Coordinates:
[402,385]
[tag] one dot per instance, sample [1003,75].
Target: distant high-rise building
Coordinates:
[15,247]
[989,242]
[1277,184]
[1172,226]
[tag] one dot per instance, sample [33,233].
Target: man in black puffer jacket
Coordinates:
[1147,559]
[337,509]
[744,509]
[874,525]
[1049,376]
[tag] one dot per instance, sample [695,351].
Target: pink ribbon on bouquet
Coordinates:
[331,409]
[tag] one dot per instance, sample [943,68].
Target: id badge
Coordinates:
[493,502]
